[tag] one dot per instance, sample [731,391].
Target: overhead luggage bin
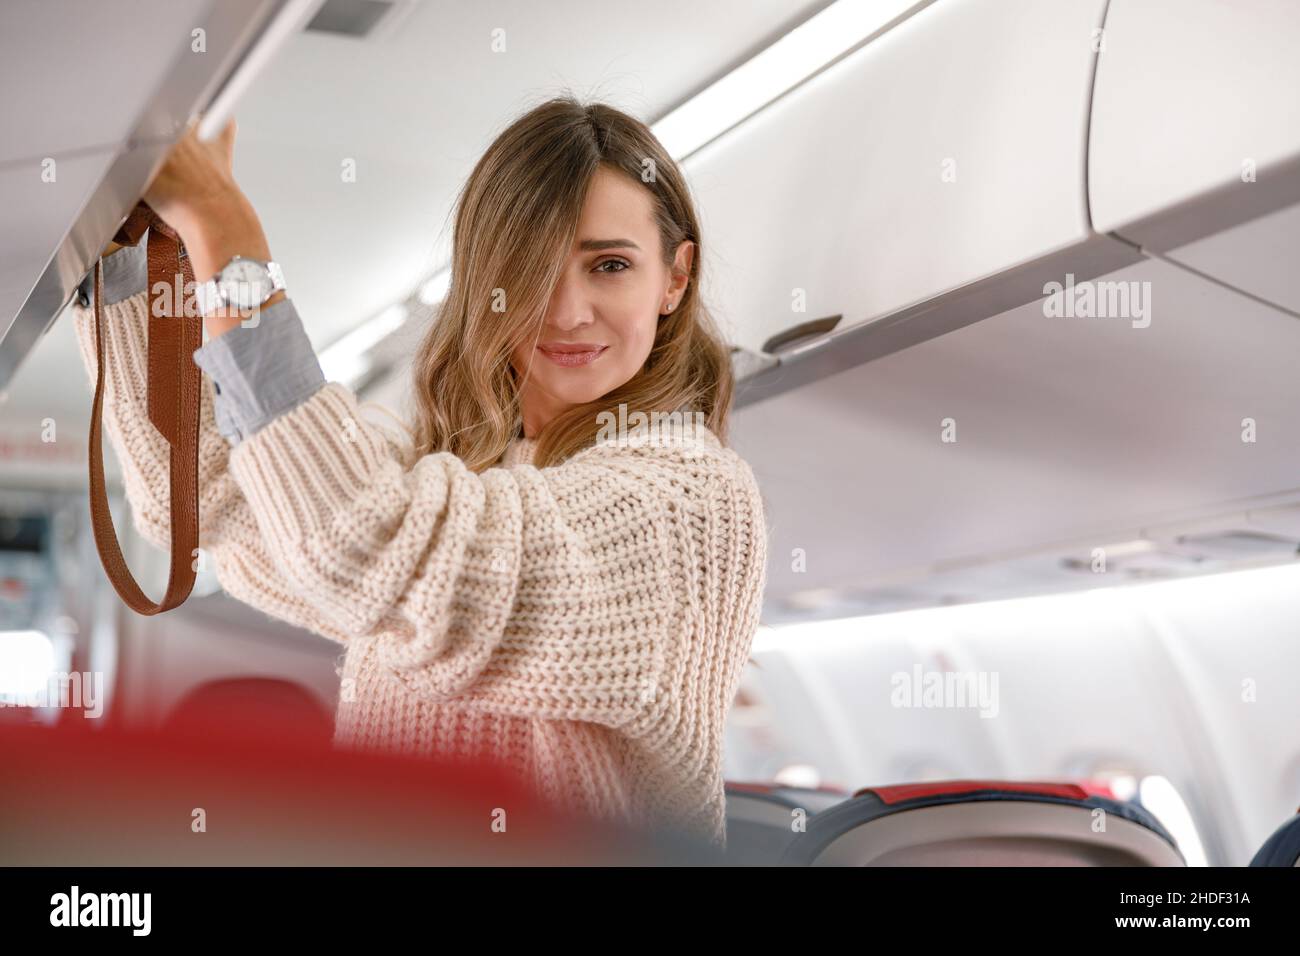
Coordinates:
[1196,120]
[1126,427]
[942,154]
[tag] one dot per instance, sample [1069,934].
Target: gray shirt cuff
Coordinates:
[260,372]
[126,272]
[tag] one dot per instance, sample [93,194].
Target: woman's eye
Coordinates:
[613,262]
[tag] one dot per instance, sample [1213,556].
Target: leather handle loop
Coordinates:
[174,383]
[137,221]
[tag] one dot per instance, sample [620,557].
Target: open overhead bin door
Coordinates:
[117,85]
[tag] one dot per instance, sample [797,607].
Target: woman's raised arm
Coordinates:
[228,532]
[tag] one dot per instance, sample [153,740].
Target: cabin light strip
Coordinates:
[758,81]
[1242,587]
[345,360]
[777,69]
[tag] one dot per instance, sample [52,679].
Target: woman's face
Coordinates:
[601,320]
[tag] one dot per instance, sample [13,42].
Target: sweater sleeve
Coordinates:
[595,590]
[228,531]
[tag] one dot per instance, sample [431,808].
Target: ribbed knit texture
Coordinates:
[584,624]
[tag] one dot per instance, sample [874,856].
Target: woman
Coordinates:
[513,583]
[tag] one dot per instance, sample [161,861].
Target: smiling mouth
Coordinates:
[569,358]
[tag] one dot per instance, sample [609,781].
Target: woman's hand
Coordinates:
[196,180]
[195,193]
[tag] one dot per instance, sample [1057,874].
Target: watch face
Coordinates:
[245,283]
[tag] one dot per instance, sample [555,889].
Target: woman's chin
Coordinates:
[575,393]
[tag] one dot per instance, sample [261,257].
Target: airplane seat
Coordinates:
[982,823]
[265,800]
[759,817]
[253,704]
[1283,847]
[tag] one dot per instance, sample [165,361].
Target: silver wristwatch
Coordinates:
[242,283]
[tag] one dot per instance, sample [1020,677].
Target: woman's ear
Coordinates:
[682,262]
[680,275]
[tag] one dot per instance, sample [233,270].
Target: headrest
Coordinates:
[1283,847]
[1034,831]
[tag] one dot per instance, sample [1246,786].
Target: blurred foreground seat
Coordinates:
[252,705]
[259,792]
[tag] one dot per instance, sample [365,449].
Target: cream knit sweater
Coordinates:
[585,624]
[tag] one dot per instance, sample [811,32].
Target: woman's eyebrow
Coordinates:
[595,245]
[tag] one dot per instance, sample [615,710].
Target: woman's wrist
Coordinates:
[224,227]
[215,231]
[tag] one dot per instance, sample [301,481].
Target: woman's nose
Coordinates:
[568,321]
[569,310]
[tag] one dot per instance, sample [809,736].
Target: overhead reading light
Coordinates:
[785,64]
[1240,544]
[364,19]
[1139,559]
[353,18]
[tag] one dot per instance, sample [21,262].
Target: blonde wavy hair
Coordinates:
[515,223]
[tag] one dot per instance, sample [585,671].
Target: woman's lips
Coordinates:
[571,359]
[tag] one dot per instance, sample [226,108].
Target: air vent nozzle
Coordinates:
[354,18]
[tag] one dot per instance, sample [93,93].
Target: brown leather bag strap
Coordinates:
[174,382]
